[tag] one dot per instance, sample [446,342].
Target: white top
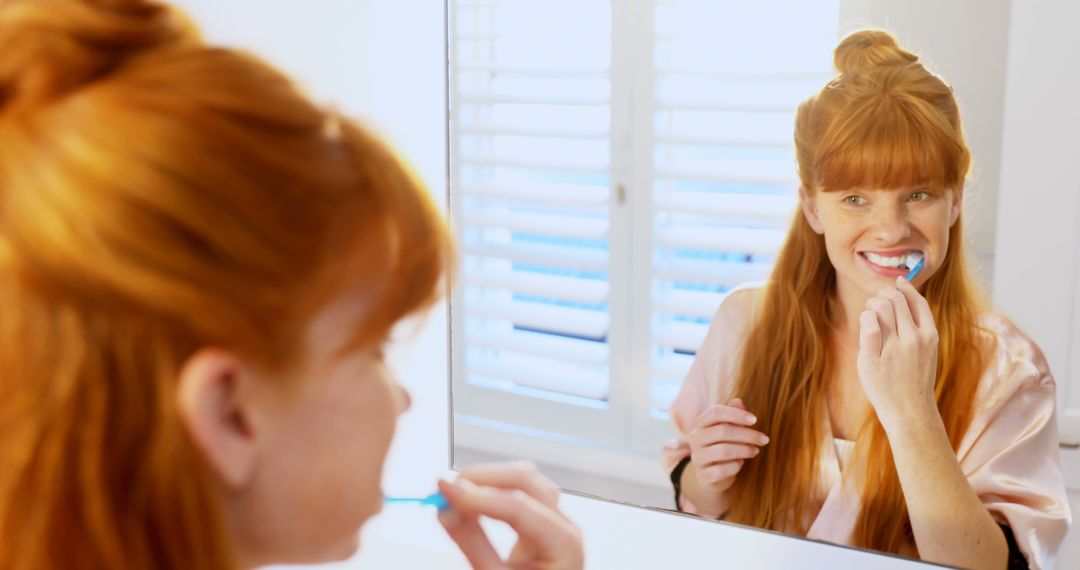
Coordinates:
[844,449]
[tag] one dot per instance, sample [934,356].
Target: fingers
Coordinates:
[467,533]
[724,452]
[920,308]
[905,322]
[727,433]
[719,414]
[737,403]
[718,472]
[522,475]
[534,522]
[883,310]
[869,333]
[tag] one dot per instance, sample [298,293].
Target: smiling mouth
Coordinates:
[902,262]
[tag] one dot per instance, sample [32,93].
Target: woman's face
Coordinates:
[867,232]
[322,444]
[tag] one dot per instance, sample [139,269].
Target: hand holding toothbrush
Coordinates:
[517,494]
[897,359]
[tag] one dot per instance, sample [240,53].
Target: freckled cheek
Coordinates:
[935,232]
[844,227]
[843,238]
[844,232]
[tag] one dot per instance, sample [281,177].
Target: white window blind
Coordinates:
[617,167]
[531,160]
[727,79]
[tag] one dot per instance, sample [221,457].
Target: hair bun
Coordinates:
[52,47]
[870,48]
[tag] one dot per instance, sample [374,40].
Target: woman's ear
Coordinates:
[809,209]
[955,207]
[216,405]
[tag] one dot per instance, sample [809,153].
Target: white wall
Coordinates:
[965,42]
[1040,175]
[1038,241]
[324,44]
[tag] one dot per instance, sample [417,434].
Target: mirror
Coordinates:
[616,169]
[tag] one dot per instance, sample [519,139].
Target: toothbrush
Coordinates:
[434,500]
[915,269]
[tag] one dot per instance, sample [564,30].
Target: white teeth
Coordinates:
[904,262]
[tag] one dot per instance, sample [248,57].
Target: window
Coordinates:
[617,167]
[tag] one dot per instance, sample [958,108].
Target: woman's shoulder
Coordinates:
[739,305]
[1014,357]
[732,320]
[1015,388]
[714,363]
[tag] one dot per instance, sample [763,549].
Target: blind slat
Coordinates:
[540,224]
[547,194]
[580,164]
[716,273]
[536,72]
[541,285]
[749,142]
[672,367]
[744,208]
[756,76]
[552,377]
[535,132]
[555,256]
[748,171]
[681,336]
[726,239]
[550,99]
[720,106]
[699,304]
[554,318]
[545,345]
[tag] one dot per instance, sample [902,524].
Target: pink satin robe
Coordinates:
[1009,453]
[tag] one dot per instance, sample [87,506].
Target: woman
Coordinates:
[198,268]
[885,414]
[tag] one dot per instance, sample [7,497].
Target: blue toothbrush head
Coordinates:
[915,269]
[437,500]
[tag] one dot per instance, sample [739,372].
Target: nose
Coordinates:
[890,224]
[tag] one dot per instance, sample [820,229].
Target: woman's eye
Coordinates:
[854,200]
[919,196]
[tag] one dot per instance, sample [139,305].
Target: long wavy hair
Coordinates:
[158,195]
[883,122]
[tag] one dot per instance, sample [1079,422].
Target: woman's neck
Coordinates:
[847,304]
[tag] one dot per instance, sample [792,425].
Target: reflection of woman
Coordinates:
[899,417]
[197,269]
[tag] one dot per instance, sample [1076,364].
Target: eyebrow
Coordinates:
[915,188]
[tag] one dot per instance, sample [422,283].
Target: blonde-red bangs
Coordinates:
[891,142]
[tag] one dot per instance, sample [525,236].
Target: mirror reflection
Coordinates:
[733,260]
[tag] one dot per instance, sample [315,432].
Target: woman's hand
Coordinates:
[897,360]
[517,494]
[720,443]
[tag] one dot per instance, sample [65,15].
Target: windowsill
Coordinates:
[574,464]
